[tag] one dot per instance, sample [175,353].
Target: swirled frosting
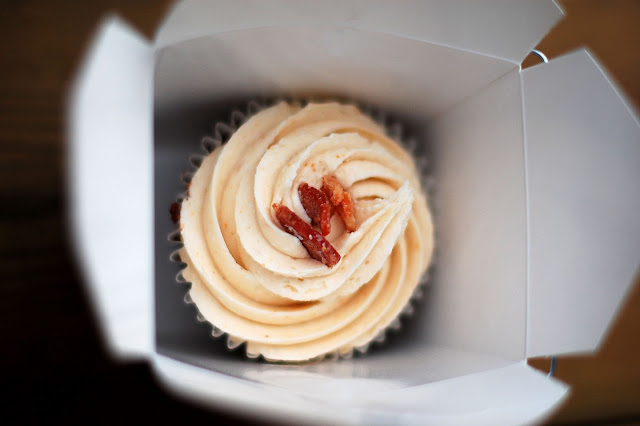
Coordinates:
[256,282]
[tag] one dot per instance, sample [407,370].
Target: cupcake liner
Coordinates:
[221,132]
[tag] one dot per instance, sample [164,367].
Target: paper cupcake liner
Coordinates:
[221,133]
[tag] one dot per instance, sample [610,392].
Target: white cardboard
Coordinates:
[498,28]
[512,395]
[407,365]
[583,156]
[516,394]
[111,184]
[479,304]
[415,78]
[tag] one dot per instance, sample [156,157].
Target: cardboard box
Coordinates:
[536,206]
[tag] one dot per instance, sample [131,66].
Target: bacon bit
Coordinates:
[174,210]
[317,246]
[317,206]
[341,200]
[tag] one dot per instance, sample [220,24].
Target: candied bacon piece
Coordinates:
[341,200]
[317,246]
[317,206]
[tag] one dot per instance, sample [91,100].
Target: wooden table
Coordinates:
[53,364]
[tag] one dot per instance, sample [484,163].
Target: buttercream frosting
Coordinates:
[256,282]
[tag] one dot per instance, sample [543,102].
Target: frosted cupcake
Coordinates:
[305,234]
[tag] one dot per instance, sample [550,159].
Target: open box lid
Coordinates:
[582,143]
[110,179]
[504,30]
[514,394]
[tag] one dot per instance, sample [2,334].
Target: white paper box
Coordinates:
[536,206]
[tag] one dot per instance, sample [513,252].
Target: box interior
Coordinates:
[463,108]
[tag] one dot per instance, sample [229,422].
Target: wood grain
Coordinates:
[52,360]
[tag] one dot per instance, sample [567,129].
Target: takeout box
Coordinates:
[536,204]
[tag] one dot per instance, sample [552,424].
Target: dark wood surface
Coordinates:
[53,365]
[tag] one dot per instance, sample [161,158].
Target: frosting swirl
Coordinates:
[256,282]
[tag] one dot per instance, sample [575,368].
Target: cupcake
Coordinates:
[306,234]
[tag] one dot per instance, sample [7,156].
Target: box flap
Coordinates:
[516,394]
[503,29]
[479,302]
[583,150]
[110,180]
[512,395]
[310,60]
